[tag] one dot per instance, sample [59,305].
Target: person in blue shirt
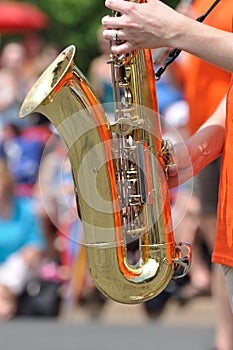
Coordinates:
[22,243]
[23,155]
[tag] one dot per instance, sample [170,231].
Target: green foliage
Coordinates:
[172,3]
[75,22]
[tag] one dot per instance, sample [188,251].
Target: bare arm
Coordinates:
[200,149]
[154,24]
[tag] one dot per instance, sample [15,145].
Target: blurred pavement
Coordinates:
[117,327]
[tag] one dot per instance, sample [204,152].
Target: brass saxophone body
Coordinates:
[118,170]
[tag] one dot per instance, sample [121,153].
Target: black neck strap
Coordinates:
[174,53]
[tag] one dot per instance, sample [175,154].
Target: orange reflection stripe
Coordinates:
[105,136]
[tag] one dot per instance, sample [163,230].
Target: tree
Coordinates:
[76,22]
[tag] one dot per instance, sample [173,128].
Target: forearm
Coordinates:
[207,144]
[206,42]
[200,149]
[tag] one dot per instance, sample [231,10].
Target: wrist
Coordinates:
[180,38]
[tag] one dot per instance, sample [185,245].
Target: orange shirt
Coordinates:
[204,84]
[223,249]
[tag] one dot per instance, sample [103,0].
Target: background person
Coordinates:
[21,243]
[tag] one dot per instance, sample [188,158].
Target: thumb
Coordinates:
[172,170]
[152,1]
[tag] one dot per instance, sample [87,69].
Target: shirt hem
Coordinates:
[223,260]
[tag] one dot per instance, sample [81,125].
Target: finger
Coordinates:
[122,48]
[152,1]
[172,170]
[118,5]
[108,34]
[113,22]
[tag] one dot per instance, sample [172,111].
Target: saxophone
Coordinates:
[119,172]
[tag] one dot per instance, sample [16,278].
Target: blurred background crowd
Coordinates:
[42,261]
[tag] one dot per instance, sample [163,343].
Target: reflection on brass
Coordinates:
[119,179]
